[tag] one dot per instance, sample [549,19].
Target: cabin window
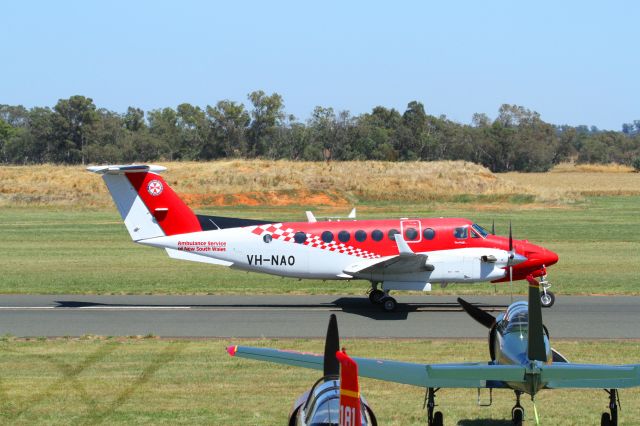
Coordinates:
[300,237]
[428,234]
[460,232]
[377,235]
[327,236]
[267,238]
[480,230]
[392,234]
[344,236]
[474,234]
[411,234]
[360,235]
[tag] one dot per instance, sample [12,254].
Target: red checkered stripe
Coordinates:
[278,232]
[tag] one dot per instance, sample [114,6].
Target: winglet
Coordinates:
[231,350]
[310,217]
[352,215]
[403,247]
[536,350]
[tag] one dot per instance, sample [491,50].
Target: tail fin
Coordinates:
[350,408]
[536,348]
[148,206]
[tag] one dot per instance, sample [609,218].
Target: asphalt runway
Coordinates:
[581,317]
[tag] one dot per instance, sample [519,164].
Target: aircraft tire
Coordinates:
[605,420]
[547,300]
[438,419]
[375,296]
[389,304]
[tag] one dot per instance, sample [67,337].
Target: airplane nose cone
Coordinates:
[517,258]
[550,257]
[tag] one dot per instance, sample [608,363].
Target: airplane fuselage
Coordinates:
[456,250]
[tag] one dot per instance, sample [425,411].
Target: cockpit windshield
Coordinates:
[327,413]
[323,406]
[516,319]
[480,230]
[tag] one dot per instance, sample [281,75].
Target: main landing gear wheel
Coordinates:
[547,299]
[611,419]
[517,415]
[433,419]
[389,304]
[517,412]
[375,296]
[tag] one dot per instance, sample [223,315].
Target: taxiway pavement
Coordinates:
[580,317]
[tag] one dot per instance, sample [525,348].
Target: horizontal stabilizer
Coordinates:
[310,217]
[185,255]
[468,375]
[591,376]
[129,168]
[297,359]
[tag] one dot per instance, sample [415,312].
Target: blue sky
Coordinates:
[573,62]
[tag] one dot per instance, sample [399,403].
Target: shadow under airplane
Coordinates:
[351,305]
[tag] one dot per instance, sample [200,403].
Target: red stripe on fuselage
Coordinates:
[171,213]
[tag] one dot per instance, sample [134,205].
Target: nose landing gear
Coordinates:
[547,298]
[517,412]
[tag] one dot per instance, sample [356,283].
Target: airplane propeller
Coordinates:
[331,346]
[477,314]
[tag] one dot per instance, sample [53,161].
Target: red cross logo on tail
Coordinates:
[155,188]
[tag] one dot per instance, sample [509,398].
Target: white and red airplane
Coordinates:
[396,254]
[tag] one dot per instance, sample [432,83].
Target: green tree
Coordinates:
[163,125]
[72,122]
[267,115]
[229,122]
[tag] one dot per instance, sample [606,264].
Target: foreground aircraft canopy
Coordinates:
[334,399]
[521,360]
[396,254]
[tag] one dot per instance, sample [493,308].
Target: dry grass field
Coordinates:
[286,183]
[570,181]
[261,182]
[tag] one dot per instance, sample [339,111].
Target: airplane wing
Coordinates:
[462,375]
[405,262]
[591,376]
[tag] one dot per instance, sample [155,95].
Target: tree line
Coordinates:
[75,131]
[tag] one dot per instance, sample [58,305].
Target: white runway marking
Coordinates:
[106,308]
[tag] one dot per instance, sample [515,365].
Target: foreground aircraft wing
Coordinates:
[406,261]
[467,375]
[591,376]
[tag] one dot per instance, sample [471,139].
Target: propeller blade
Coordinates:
[511,282]
[510,239]
[477,314]
[331,346]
